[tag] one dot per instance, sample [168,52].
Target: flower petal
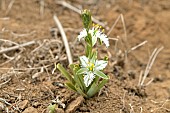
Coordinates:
[106,41]
[94,40]
[84,61]
[103,38]
[93,36]
[100,64]
[88,78]
[82,34]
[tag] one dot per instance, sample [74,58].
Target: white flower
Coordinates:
[95,33]
[103,38]
[83,34]
[90,68]
[88,78]
[100,64]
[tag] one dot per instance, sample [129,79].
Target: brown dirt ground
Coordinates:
[145,20]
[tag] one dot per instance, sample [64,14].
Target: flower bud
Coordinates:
[86,18]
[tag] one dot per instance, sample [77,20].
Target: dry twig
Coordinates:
[131,108]
[33,68]
[120,17]
[139,45]
[64,38]
[65,4]
[114,24]
[4,82]
[42,7]
[23,35]
[5,18]
[161,107]
[140,77]
[10,59]
[9,41]
[123,102]
[123,22]
[150,63]
[9,7]
[4,101]
[17,47]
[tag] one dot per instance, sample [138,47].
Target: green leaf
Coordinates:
[81,71]
[94,57]
[70,86]
[80,91]
[71,66]
[96,79]
[101,74]
[65,73]
[76,68]
[82,82]
[92,90]
[78,82]
[101,84]
[96,88]
[79,78]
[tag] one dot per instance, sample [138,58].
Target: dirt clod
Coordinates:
[23,104]
[74,104]
[30,110]
[84,109]
[59,110]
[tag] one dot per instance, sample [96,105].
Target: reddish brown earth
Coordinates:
[25,87]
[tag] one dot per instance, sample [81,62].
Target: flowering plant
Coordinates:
[87,77]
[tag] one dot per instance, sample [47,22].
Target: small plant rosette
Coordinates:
[87,77]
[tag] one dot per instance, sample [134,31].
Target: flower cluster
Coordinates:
[95,33]
[87,77]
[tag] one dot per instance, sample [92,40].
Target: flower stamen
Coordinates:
[90,66]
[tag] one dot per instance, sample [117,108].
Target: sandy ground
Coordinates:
[26,81]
